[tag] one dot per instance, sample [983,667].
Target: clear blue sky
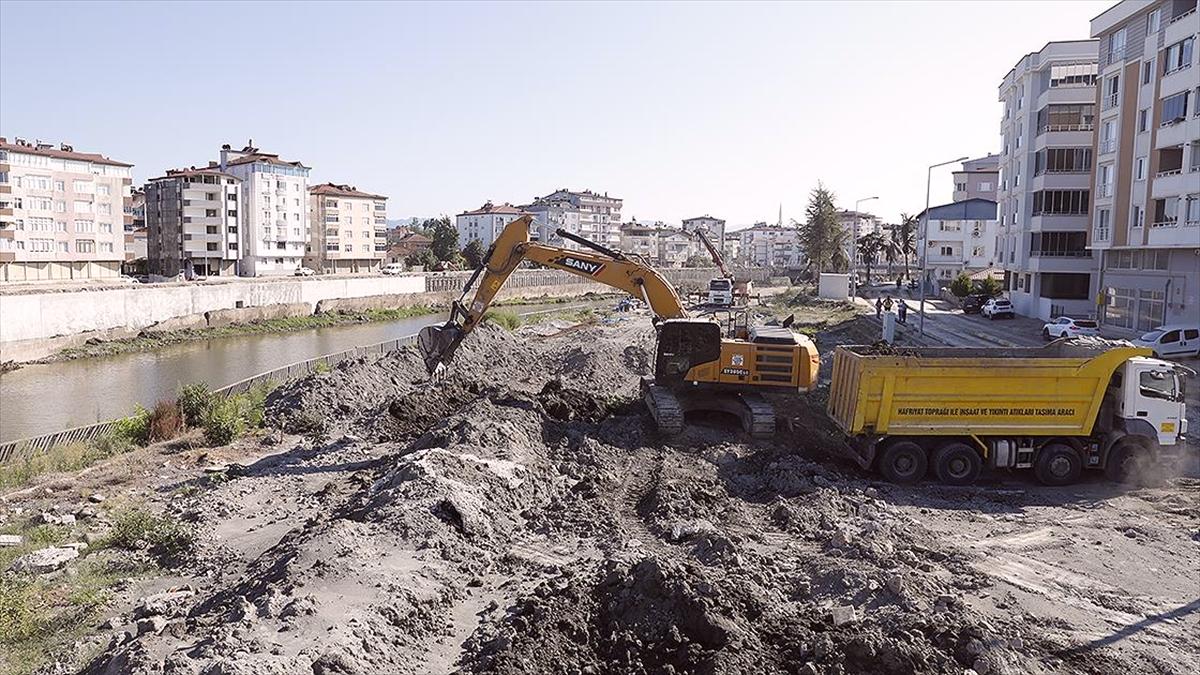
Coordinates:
[681,109]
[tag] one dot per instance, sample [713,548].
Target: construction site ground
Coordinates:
[522,515]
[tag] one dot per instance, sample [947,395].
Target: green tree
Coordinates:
[891,253]
[991,286]
[961,286]
[869,247]
[905,236]
[821,237]
[473,253]
[422,257]
[445,237]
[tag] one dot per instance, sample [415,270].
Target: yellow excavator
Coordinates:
[696,367]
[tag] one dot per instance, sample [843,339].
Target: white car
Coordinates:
[391,269]
[1065,326]
[1172,341]
[304,272]
[997,308]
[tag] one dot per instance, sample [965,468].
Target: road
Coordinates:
[947,324]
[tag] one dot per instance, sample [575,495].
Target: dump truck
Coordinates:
[1071,405]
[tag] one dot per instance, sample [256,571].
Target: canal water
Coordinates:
[44,398]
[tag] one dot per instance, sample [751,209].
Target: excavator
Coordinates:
[697,368]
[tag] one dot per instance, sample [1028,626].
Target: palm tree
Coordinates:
[869,247]
[891,253]
[905,235]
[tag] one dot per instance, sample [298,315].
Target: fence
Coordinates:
[27,447]
[453,281]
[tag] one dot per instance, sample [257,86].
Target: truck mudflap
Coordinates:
[861,450]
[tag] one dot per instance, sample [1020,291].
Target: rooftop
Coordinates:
[211,170]
[336,190]
[968,209]
[63,151]
[489,208]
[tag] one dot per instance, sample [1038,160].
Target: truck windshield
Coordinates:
[1157,384]
[719,285]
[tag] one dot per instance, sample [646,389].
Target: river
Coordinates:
[44,398]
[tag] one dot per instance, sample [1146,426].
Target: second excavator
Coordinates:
[697,367]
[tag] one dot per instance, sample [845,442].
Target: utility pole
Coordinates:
[924,247]
[854,248]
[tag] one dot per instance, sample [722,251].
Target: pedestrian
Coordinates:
[897,284]
[901,310]
[887,303]
[878,307]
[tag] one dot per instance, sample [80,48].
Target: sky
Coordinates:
[681,109]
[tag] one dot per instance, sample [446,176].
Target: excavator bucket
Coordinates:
[438,343]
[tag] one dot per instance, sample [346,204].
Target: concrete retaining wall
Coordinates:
[219,318]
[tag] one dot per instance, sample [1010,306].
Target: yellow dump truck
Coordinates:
[1058,409]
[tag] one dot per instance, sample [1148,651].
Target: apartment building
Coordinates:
[193,223]
[1145,219]
[642,239]
[274,205]
[1044,196]
[588,214]
[733,247]
[958,237]
[714,228]
[487,222]
[764,245]
[977,179]
[660,243]
[348,229]
[62,212]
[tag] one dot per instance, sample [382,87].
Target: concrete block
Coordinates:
[185,322]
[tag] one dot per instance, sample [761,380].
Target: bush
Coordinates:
[165,423]
[503,318]
[164,538]
[194,400]
[136,427]
[991,286]
[961,286]
[223,421]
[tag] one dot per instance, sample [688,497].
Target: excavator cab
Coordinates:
[684,344]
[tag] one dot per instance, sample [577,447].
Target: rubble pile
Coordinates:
[525,517]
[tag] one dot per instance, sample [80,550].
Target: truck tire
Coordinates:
[1133,464]
[1058,464]
[957,464]
[903,462]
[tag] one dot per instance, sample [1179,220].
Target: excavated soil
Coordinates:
[522,515]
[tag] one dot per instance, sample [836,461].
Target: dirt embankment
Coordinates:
[523,516]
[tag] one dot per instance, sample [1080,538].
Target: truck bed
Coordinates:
[1052,390]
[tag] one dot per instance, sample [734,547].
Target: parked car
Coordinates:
[1172,341]
[126,279]
[1065,326]
[973,303]
[305,272]
[392,269]
[997,308]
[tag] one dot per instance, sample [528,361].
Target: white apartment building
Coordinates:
[487,222]
[660,244]
[1145,218]
[274,203]
[977,179]
[1045,168]
[62,212]
[733,247]
[588,214]
[958,237]
[642,239]
[349,229]
[764,245]
[858,224]
[193,220]
[714,228]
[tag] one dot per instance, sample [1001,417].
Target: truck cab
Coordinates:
[1150,400]
[720,292]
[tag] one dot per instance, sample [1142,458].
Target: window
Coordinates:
[1174,108]
[1143,120]
[1156,259]
[1112,91]
[106,228]
[977,252]
[1108,138]
[83,207]
[210,213]
[103,190]
[1116,46]
[85,226]
[1124,260]
[85,186]
[211,246]
[1104,180]
[1147,71]
[1066,117]
[1061,202]
[1103,227]
[104,209]
[64,247]
[1073,75]
[60,206]
[1193,211]
[1065,285]
[1150,309]
[983,186]
[106,247]
[960,187]
[1139,168]
[1158,384]
[1179,55]
[1166,212]
[1062,160]
[1058,245]
[85,246]
[41,245]
[1121,305]
[1154,21]
[947,251]
[1137,217]
[60,226]
[349,248]
[59,186]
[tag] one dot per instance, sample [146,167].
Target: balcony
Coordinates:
[1115,56]
[1110,101]
[1106,146]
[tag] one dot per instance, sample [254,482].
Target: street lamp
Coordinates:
[925,237]
[854,248]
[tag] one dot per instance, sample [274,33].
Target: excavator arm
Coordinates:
[717,258]
[601,265]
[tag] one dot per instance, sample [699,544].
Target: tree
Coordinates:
[891,253]
[991,286]
[961,286]
[905,236]
[869,247]
[821,236]
[422,257]
[445,237]
[473,253]
[698,260]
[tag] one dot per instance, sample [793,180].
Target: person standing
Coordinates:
[887,303]
[902,310]
[878,307]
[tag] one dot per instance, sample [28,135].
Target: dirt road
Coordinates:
[524,517]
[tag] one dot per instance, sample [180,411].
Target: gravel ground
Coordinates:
[523,516]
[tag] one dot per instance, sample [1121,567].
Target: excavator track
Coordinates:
[669,407]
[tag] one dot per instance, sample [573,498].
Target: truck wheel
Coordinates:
[957,464]
[903,462]
[1058,464]
[1131,463]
